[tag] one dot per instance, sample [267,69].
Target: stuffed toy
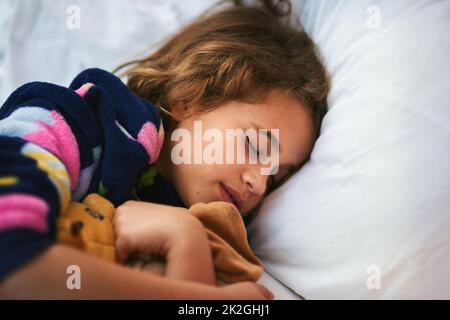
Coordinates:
[88,226]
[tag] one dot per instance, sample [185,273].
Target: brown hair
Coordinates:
[239,53]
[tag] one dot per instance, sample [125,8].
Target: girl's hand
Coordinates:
[246,291]
[150,228]
[167,231]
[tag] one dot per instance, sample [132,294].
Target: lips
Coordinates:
[230,195]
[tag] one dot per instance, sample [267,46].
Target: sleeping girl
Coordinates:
[238,69]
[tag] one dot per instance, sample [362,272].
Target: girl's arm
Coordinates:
[45,277]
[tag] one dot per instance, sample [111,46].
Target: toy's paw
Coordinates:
[99,207]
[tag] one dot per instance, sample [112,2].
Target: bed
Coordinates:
[368,216]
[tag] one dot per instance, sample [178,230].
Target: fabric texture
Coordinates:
[58,144]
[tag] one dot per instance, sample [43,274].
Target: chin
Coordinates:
[190,201]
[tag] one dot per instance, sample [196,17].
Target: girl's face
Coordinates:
[244,184]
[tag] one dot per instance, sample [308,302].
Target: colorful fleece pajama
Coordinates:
[58,144]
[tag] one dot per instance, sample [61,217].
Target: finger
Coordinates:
[116,216]
[265,292]
[121,250]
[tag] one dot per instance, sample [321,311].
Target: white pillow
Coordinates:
[369,215]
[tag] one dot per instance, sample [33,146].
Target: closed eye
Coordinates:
[251,147]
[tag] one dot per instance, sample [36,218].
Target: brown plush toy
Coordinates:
[88,226]
[233,258]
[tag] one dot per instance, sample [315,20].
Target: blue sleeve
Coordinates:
[34,188]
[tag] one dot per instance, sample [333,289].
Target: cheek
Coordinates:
[193,179]
[214,172]
[257,200]
[252,203]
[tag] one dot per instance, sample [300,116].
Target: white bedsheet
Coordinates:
[40,39]
[278,288]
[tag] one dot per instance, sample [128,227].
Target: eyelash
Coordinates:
[251,146]
[271,181]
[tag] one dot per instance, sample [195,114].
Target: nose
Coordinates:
[255,182]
